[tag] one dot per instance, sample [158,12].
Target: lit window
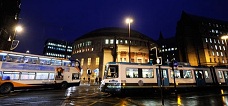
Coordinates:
[213,53]
[217,53]
[111,41]
[125,41]
[218,41]
[210,40]
[106,41]
[97,61]
[82,61]
[221,53]
[220,48]
[213,31]
[224,48]
[216,47]
[214,41]
[206,40]
[89,61]
[117,41]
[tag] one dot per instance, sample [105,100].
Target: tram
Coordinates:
[26,71]
[121,77]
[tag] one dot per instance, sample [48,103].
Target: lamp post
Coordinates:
[129,21]
[14,43]
[224,37]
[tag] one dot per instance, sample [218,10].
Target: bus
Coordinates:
[25,71]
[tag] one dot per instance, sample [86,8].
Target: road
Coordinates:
[85,95]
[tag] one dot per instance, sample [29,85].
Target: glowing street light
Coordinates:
[18,28]
[129,21]
[15,43]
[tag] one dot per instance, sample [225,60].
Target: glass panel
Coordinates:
[10,75]
[220,74]
[27,76]
[41,75]
[147,73]
[164,74]
[51,76]
[132,73]
[206,74]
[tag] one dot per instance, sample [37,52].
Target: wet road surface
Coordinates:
[91,96]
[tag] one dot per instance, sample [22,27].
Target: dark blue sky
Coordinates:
[69,19]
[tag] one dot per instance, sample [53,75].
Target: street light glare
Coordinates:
[18,28]
[129,20]
[224,37]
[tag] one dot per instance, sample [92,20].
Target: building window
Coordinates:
[111,41]
[82,61]
[97,61]
[89,61]
[106,41]
[126,42]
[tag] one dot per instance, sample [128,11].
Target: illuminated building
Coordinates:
[199,40]
[57,48]
[168,49]
[100,46]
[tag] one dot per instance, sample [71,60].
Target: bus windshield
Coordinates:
[111,71]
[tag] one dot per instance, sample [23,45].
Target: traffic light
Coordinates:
[153,56]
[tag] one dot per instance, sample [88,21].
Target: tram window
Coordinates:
[27,75]
[51,76]
[226,74]
[206,74]
[164,73]
[187,74]
[10,75]
[113,71]
[220,74]
[182,74]
[132,73]
[147,73]
[40,76]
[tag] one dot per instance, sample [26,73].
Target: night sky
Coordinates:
[69,19]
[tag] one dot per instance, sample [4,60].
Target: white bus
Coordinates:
[25,71]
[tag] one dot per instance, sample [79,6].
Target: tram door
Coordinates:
[164,77]
[225,73]
[199,76]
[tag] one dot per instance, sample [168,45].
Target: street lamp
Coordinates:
[129,21]
[15,43]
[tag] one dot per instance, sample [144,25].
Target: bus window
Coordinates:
[75,76]
[41,76]
[147,73]
[132,73]
[51,76]
[9,75]
[27,76]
